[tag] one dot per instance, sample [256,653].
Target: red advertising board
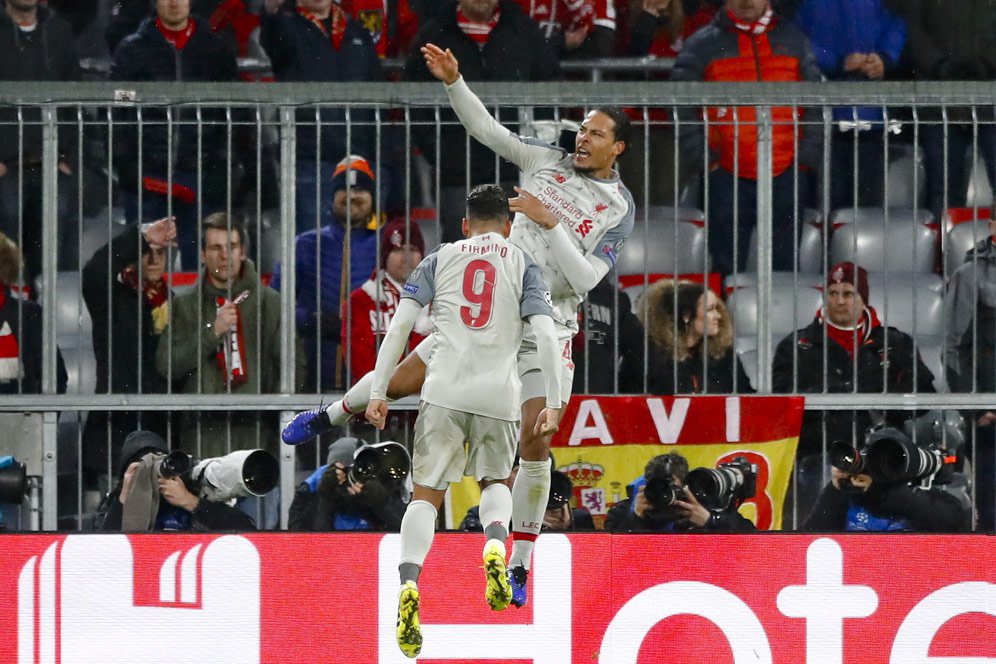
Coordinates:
[594,598]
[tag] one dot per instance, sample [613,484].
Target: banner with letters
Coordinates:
[604,443]
[273,598]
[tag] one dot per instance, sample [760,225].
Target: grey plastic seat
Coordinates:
[668,240]
[783,280]
[980,190]
[897,240]
[905,172]
[960,240]
[792,308]
[810,250]
[899,298]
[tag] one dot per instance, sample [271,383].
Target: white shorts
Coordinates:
[528,366]
[440,457]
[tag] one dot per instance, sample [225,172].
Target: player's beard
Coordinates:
[584,170]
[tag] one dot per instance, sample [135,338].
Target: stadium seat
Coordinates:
[792,308]
[668,240]
[269,240]
[980,192]
[906,171]
[780,279]
[894,240]
[810,244]
[960,239]
[899,297]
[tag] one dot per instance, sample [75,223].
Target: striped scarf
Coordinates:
[759,27]
[477,31]
[10,352]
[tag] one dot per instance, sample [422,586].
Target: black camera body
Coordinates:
[726,485]
[661,492]
[890,457]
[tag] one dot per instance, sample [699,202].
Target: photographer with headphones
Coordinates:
[661,501]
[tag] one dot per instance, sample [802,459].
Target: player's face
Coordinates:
[223,255]
[360,206]
[173,12]
[595,146]
[401,262]
[747,10]
[707,316]
[844,305]
[153,264]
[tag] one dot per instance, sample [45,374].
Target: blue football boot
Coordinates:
[517,577]
[306,426]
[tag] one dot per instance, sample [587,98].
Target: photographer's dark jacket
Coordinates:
[325,506]
[622,518]
[880,347]
[970,304]
[895,507]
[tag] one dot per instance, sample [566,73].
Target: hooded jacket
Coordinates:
[970,305]
[190,342]
[720,373]
[46,54]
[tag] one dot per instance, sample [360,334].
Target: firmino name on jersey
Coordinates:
[502,250]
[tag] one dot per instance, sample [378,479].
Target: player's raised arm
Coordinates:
[475,117]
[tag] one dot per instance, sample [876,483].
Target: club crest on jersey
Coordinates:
[601,207]
[373,21]
[559,178]
[584,227]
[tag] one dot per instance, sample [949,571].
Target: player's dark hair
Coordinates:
[487,202]
[623,127]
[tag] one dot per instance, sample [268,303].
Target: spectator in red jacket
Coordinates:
[392,24]
[575,28]
[373,304]
[748,41]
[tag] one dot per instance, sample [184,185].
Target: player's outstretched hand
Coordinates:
[377,413]
[442,64]
[548,422]
[533,208]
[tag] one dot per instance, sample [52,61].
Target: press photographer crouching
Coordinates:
[888,484]
[159,490]
[669,498]
[361,487]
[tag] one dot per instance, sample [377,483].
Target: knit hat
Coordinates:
[844,273]
[358,171]
[136,445]
[342,451]
[393,237]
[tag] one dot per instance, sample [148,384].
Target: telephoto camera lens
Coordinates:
[892,457]
[846,457]
[13,480]
[388,461]
[717,488]
[175,464]
[660,492]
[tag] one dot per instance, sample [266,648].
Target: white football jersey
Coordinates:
[481,289]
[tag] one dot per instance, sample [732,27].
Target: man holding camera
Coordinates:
[147,500]
[660,501]
[333,498]
[866,494]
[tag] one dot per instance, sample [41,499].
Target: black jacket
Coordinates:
[899,362]
[621,519]
[610,333]
[515,51]
[146,56]
[208,516]
[25,320]
[717,376]
[926,511]
[46,54]
[299,51]
[329,507]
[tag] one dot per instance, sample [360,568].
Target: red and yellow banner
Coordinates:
[604,443]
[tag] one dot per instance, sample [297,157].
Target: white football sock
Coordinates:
[530,494]
[418,527]
[495,512]
[354,402]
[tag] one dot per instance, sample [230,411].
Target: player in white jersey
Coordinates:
[481,289]
[573,215]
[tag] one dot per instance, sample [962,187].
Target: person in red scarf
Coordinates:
[861,354]
[372,305]
[748,42]
[125,290]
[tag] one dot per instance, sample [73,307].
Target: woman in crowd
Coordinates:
[689,343]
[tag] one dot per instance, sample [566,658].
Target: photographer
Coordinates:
[329,500]
[860,497]
[161,503]
[659,501]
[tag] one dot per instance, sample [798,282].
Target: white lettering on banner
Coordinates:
[97,620]
[825,601]
[630,626]
[924,620]
[733,419]
[599,430]
[546,641]
[668,428]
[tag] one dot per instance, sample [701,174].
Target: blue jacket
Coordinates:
[837,28]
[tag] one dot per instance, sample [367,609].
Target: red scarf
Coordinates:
[178,38]
[155,293]
[232,351]
[478,32]
[759,27]
[10,351]
[848,338]
[338,24]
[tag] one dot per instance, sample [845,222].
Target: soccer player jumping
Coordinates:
[573,215]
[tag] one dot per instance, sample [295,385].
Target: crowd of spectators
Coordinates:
[354,249]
